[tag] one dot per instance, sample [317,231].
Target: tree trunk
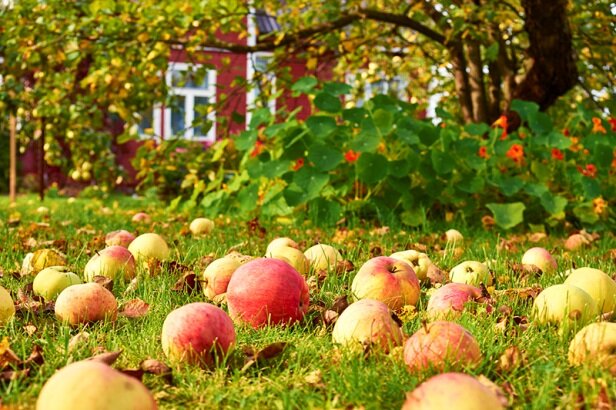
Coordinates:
[553,71]
[13,158]
[478,91]
[461,81]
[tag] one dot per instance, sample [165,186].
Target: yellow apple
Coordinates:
[594,344]
[419,261]
[149,246]
[598,284]
[323,257]
[472,273]
[292,256]
[201,226]
[7,308]
[564,302]
[217,275]
[278,242]
[49,282]
[87,302]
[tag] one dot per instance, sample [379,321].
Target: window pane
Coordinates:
[200,116]
[178,114]
[188,79]
[147,119]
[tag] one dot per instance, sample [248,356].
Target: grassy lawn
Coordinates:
[311,371]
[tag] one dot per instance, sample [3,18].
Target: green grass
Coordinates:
[311,372]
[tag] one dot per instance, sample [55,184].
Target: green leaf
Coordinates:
[541,171]
[336,88]
[246,140]
[602,156]
[260,117]
[540,123]
[327,102]
[554,204]
[491,52]
[524,108]
[591,188]
[536,190]
[442,162]
[274,169]
[321,125]
[355,115]
[304,85]
[477,128]
[471,185]
[247,198]
[510,185]
[310,181]
[372,168]
[384,121]
[413,217]
[507,215]
[366,141]
[324,212]
[324,157]
[585,212]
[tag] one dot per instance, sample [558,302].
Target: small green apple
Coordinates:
[419,261]
[7,308]
[472,273]
[49,282]
[323,257]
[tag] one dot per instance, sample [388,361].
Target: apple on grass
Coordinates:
[323,257]
[367,322]
[201,226]
[450,299]
[563,303]
[198,333]
[292,256]
[472,273]
[389,280]
[452,391]
[217,275]
[440,344]
[594,344]
[149,246]
[453,236]
[120,238]
[598,284]
[93,384]
[7,308]
[540,258]
[279,242]
[142,217]
[87,302]
[114,261]
[49,282]
[419,261]
[267,291]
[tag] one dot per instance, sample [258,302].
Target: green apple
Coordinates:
[49,282]
[323,257]
[201,226]
[279,242]
[292,256]
[594,344]
[149,246]
[561,303]
[471,273]
[7,308]
[598,284]
[419,261]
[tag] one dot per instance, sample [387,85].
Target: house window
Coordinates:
[262,82]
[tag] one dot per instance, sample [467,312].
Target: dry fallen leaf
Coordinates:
[134,308]
[7,356]
[189,283]
[511,359]
[107,357]
[158,368]
[315,379]
[104,281]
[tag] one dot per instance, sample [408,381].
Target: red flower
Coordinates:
[298,164]
[483,152]
[516,153]
[589,171]
[566,132]
[259,147]
[612,122]
[597,125]
[502,123]
[557,154]
[351,156]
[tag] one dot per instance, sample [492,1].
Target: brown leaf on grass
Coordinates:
[315,379]
[268,352]
[10,375]
[436,275]
[36,357]
[30,329]
[527,293]
[158,368]
[176,268]
[8,358]
[507,245]
[254,227]
[107,357]
[375,251]
[537,237]
[344,266]
[602,401]
[340,304]
[610,255]
[511,359]
[329,317]
[204,262]
[134,373]
[188,283]
[104,281]
[135,308]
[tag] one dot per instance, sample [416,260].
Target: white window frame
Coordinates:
[189,108]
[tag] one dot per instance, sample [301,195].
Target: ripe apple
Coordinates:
[323,257]
[576,241]
[419,261]
[198,333]
[86,302]
[149,246]
[292,256]
[594,344]
[389,280]
[217,275]
[453,236]
[540,258]
[91,384]
[142,217]
[120,238]
[441,344]
[7,308]
[278,242]
[49,282]
[367,322]
[598,284]
[452,390]
[449,300]
[267,291]
[111,262]
[472,273]
[201,226]
[559,303]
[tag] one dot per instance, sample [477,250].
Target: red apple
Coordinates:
[86,302]
[450,299]
[540,258]
[267,291]
[441,344]
[142,217]
[111,262]
[198,333]
[119,238]
[387,279]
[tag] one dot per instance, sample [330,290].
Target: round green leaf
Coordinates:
[371,168]
[324,157]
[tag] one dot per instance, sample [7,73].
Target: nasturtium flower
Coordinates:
[516,153]
[557,154]
[597,125]
[351,156]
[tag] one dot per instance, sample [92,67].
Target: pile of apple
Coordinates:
[273,291]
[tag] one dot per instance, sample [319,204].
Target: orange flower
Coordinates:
[502,123]
[575,146]
[483,152]
[259,147]
[557,154]
[597,125]
[516,153]
[599,205]
[351,156]
[589,171]
[298,164]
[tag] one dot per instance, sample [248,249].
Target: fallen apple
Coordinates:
[450,299]
[562,303]
[323,257]
[83,303]
[453,236]
[114,261]
[419,261]
[278,242]
[472,273]
[198,333]
[201,226]
[267,291]
[452,390]
[49,282]
[540,258]
[142,217]
[367,322]
[440,345]
[119,238]
[93,384]
[389,280]
[292,256]
[598,284]
[217,275]
[149,246]
[594,344]
[7,308]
